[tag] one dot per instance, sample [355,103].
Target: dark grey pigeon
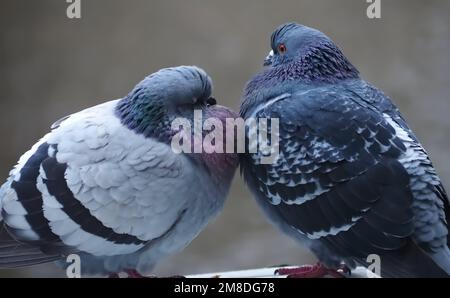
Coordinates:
[351,178]
[106,184]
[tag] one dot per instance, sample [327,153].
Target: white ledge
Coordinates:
[359,272]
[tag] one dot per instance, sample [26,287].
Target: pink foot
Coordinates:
[131,273]
[310,271]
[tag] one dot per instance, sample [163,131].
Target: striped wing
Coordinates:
[93,186]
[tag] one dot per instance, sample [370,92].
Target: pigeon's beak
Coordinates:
[268,60]
[211,101]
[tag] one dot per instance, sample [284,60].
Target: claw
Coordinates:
[311,271]
[131,273]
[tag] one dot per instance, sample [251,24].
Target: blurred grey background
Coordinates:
[51,66]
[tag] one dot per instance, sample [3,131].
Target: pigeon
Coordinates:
[351,180]
[106,184]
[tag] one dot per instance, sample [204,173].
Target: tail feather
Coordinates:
[442,258]
[15,254]
[25,262]
[443,195]
[413,262]
[2,194]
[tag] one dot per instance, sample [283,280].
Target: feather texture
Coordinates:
[120,198]
[351,178]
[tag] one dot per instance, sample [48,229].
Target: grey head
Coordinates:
[161,97]
[177,92]
[175,86]
[300,56]
[307,53]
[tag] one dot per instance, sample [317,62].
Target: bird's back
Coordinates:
[324,124]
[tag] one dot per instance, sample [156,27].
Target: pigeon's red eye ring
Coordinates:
[282,48]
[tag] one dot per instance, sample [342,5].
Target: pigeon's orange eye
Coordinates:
[282,49]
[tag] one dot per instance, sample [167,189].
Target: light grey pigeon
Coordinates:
[106,184]
[351,181]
